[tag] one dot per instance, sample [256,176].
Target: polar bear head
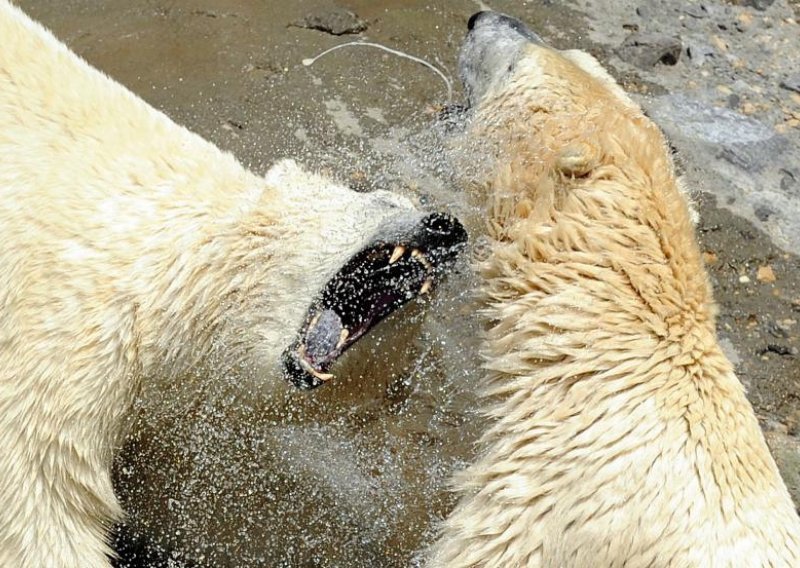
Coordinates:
[599,312]
[341,261]
[549,120]
[315,266]
[501,54]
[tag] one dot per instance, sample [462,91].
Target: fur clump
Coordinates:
[621,435]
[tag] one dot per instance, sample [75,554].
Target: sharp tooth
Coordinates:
[343,335]
[426,286]
[417,254]
[313,321]
[321,376]
[397,253]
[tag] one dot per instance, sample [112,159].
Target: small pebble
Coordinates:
[646,50]
[791,83]
[766,274]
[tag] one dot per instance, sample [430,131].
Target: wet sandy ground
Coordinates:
[372,460]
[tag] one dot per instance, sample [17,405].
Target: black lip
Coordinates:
[368,289]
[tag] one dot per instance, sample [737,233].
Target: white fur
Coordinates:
[621,435]
[132,249]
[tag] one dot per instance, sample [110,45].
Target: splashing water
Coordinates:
[355,474]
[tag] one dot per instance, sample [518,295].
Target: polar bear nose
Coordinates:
[474,18]
[443,231]
[502,22]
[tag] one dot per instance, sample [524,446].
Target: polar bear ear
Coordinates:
[578,159]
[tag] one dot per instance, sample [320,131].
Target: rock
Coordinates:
[772,425]
[739,156]
[748,108]
[775,329]
[752,158]
[757,4]
[646,50]
[719,43]
[696,11]
[743,21]
[792,422]
[782,350]
[730,351]
[786,451]
[791,83]
[700,52]
[788,179]
[739,140]
[763,213]
[765,274]
[335,21]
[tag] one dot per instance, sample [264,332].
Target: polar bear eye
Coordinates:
[374,283]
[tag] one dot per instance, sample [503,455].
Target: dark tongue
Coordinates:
[322,337]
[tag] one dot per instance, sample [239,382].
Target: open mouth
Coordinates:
[371,285]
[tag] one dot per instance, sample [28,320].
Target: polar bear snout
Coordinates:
[402,262]
[503,23]
[441,236]
[490,50]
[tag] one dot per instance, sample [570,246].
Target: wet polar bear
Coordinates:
[134,250]
[621,436]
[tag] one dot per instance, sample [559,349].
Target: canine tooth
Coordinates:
[325,377]
[398,252]
[314,321]
[308,368]
[421,258]
[343,335]
[426,286]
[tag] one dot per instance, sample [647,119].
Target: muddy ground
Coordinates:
[722,78]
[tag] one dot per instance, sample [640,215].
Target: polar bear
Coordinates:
[621,435]
[133,251]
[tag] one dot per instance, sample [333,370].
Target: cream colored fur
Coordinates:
[131,250]
[621,435]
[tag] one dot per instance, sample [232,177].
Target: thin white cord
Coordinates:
[311,61]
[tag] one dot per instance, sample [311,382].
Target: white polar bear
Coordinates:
[134,250]
[621,435]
